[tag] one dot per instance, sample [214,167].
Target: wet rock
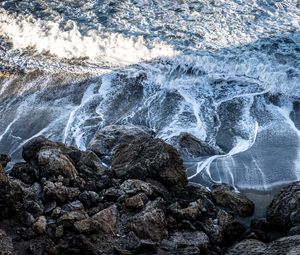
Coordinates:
[187,243]
[6,244]
[40,225]
[105,140]
[149,158]
[151,222]
[107,219]
[284,211]
[4,159]
[137,201]
[190,146]
[226,196]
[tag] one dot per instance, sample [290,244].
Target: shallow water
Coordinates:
[228,72]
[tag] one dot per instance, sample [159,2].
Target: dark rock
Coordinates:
[190,146]
[72,206]
[132,187]
[49,207]
[4,159]
[187,242]
[149,158]
[151,222]
[25,172]
[89,198]
[69,218]
[226,196]
[284,211]
[112,194]
[106,140]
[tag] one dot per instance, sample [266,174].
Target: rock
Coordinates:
[132,187]
[40,225]
[105,140]
[6,244]
[285,246]
[149,158]
[3,177]
[226,196]
[137,201]
[53,163]
[72,206]
[187,243]
[191,147]
[107,219]
[192,212]
[112,194]
[4,159]
[69,218]
[25,172]
[151,222]
[89,198]
[59,192]
[87,226]
[59,231]
[284,211]
[248,247]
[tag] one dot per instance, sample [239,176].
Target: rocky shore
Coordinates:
[128,194]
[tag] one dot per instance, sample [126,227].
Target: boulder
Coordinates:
[25,172]
[105,141]
[149,158]
[227,197]
[284,211]
[190,146]
[59,192]
[137,201]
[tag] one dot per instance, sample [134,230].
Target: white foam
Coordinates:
[43,37]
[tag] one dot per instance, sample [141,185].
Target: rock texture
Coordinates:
[65,201]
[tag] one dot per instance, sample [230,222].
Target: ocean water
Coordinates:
[227,72]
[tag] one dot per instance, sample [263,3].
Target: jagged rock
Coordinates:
[25,172]
[72,206]
[137,201]
[89,198]
[226,196]
[190,146]
[192,212]
[107,219]
[285,246]
[3,177]
[112,194]
[4,159]
[151,222]
[59,192]
[40,225]
[132,187]
[6,244]
[187,243]
[284,211]
[105,140]
[149,158]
